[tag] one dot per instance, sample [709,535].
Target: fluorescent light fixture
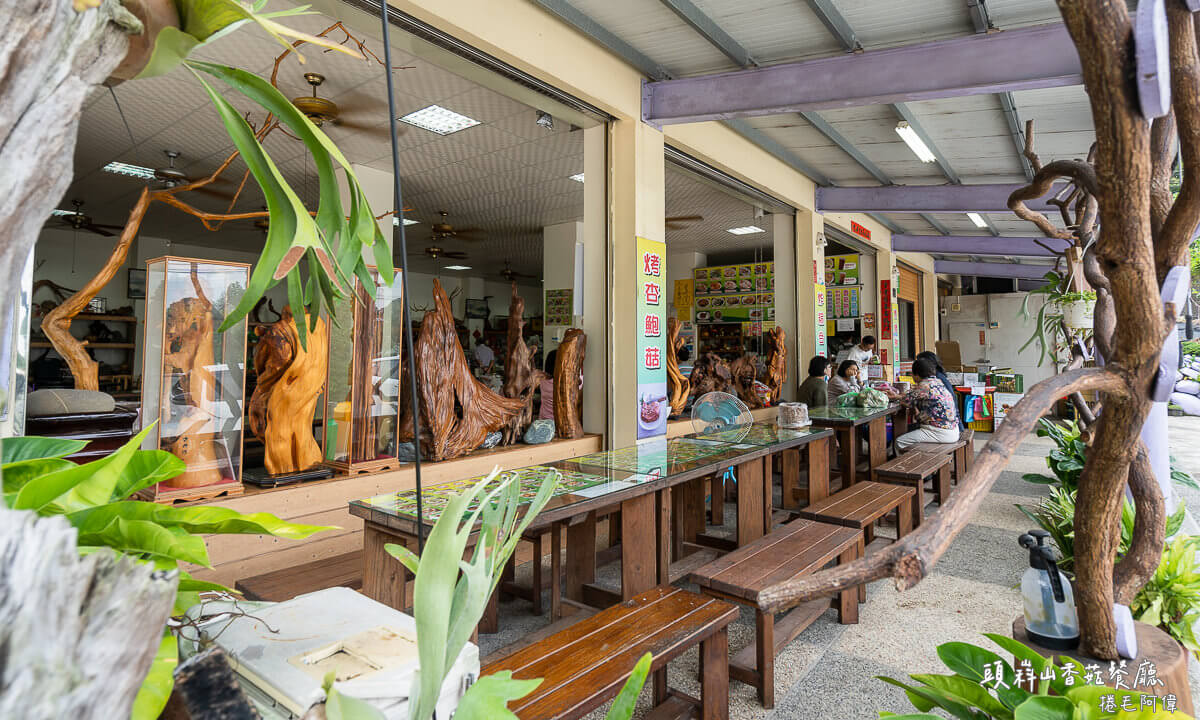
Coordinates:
[457,267]
[407,221]
[978,220]
[746,230]
[137,171]
[438,119]
[915,143]
[577,177]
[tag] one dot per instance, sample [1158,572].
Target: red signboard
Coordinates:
[860,230]
[885,309]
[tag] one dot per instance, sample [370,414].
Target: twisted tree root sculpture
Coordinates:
[568,397]
[290,379]
[521,378]
[678,386]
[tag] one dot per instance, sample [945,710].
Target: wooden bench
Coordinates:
[279,585]
[913,469]
[587,664]
[797,548]
[861,504]
[963,451]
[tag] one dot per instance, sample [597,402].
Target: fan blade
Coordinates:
[108,227]
[98,230]
[684,218]
[455,254]
[205,190]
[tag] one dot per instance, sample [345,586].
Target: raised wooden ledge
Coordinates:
[325,502]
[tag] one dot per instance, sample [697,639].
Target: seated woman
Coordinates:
[813,391]
[546,410]
[943,378]
[845,381]
[933,405]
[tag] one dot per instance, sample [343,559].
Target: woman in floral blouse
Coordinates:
[933,405]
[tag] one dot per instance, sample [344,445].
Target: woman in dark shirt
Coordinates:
[814,389]
[941,375]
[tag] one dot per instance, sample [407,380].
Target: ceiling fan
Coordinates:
[509,274]
[323,110]
[436,252]
[679,222]
[172,177]
[443,230]
[77,220]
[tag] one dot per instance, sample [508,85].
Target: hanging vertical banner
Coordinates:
[651,326]
[885,309]
[819,291]
[895,324]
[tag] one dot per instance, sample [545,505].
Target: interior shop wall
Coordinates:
[929,298]
[996,320]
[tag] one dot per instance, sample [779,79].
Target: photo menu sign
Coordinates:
[652,405]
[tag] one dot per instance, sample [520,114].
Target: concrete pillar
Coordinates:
[596,310]
[786,287]
[637,194]
[810,286]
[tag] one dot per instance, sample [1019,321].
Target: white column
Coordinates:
[595,267]
[562,261]
[786,283]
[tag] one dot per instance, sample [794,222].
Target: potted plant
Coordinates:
[1078,309]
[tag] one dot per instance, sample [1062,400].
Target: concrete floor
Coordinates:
[829,670]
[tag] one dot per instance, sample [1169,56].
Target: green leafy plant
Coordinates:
[1073,297]
[1191,347]
[984,685]
[1066,460]
[1171,598]
[95,498]
[450,592]
[1048,329]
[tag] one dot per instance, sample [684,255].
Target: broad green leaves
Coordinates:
[622,707]
[156,688]
[293,233]
[18,449]
[488,698]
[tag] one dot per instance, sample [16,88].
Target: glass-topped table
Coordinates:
[635,479]
[847,421]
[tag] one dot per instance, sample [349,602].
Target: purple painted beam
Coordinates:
[1151,53]
[998,270]
[972,245]
[922,199]
[1041,56]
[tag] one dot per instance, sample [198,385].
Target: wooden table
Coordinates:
[639,480]
[847,421]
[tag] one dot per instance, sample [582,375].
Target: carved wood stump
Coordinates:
[290,379]
[568,396]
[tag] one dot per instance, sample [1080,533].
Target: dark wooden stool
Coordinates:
[861,504]
[913,469]
[797,548]
[587,664]
[963,451]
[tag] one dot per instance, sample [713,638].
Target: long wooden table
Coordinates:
[847,422]
[638,479]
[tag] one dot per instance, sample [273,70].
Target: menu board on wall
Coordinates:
[559,304]
[842,270]
[844,302]
[735,293]
[652,406]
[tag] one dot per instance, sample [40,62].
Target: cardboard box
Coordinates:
[950,354]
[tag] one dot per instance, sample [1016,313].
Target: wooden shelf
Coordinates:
[110,318]
[95,346]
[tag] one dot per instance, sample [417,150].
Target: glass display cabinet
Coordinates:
[362,399]
[193,377]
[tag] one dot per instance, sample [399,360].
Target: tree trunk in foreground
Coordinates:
[77,634]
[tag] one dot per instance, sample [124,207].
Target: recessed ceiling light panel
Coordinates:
[457,267]
[438,119]
[745,230]
[137,171]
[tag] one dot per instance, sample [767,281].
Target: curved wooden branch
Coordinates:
[57,323]
[776,372]
[1149,530]
[1162,161]
[678,387]
[1081,173]
[1179,226]
[911,558]
[568,396]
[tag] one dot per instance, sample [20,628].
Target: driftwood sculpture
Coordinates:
[521,377]
[57,322]
[290,379]
[776,374]
[1134,233]
[568,396]
[710,374]
[678,387]
[742,373]
[188,337]
[457,411]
